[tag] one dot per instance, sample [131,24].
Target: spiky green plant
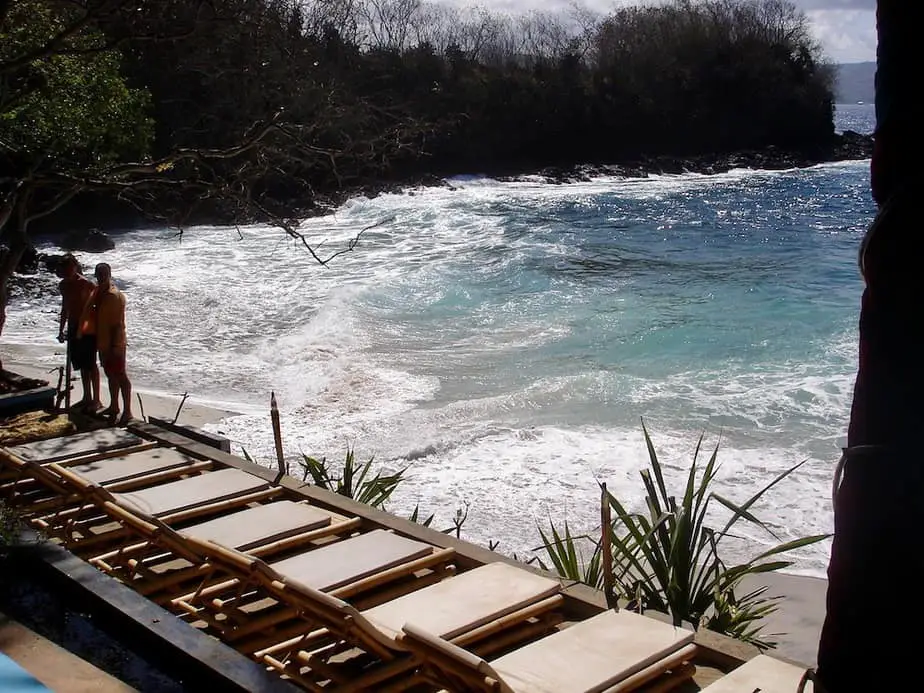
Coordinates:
[354,480]
[741,617]
[419,519]
[565,554]
[669,560]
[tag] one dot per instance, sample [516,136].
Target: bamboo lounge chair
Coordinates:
[763,673]
[39,491]
[208,493]
[490,606]
[613,651]
[26,496]
[368,562]
[152,529]
[200,494]
[121,470]
[150,565]
[142,564]
[137,468]
[71,482]
[26,483]
[76,445]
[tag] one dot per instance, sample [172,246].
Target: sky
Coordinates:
[845,28]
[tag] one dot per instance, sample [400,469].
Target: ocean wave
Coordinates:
[504,338]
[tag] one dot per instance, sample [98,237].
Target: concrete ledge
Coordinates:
[52,665]
[211,439]
[197,660]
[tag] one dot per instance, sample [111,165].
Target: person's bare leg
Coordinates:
[112,411]
[125,386]
[87,399]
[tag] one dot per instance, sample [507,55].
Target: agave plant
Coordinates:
[740,617]
[564,552]
[415,516]
[668,559]
[354,480]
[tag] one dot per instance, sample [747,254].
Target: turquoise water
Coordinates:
[505,338]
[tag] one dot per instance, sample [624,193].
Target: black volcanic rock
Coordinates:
[89,241]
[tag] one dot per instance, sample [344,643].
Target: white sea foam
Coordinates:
[515,480]
[504,338]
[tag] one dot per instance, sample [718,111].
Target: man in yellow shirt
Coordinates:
[105,316]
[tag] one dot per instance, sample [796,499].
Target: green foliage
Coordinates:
[564,551]
[9,527]
[415,516]
[669,560]
[354,480]
[372,95]
[72,107]
[740,617]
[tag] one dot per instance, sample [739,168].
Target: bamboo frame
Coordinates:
[68,496]
[444,663]
[176,577]
[350,625]
[10,458]
[309,639]
[224,605]
[98,496]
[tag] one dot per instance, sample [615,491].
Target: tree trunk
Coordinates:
[13,230]
[879,505]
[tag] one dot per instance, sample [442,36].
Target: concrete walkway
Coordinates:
[52,665]
[800,615]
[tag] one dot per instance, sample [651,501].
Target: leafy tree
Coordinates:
[66,114]
[206,130]
[69,109]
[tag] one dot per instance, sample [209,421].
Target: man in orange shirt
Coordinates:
[75,292]
[105,316]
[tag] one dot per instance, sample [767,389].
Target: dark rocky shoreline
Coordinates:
[846,146]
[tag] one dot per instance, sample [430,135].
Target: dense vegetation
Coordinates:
[469,90]
[230,109]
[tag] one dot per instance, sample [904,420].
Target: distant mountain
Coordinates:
[855,82]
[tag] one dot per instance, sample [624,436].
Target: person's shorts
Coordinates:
[83,351]
[113,363]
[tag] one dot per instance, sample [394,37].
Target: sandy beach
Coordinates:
[798,620]
[42,362]
[800,616]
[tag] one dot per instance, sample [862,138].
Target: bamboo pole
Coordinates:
[606,528]
[277,435]
[67,375]
[59,389]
